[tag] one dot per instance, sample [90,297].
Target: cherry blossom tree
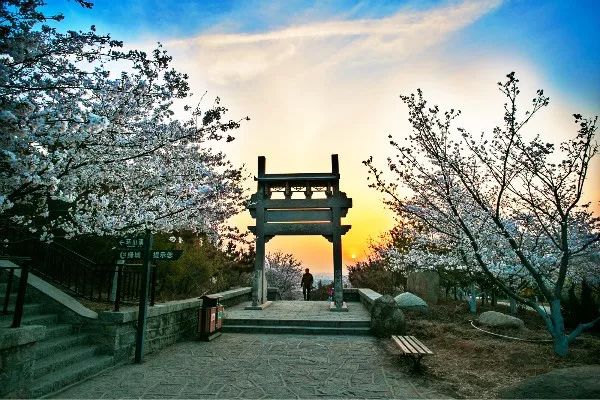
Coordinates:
[508,205]
[284,272]
[90,143]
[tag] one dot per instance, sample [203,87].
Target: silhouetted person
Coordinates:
[306,283]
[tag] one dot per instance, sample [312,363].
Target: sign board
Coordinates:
[136,242]
[157,255]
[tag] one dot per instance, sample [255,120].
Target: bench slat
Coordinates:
[408,345]
[413,345]
[420,344]
[403,348]
[417,345]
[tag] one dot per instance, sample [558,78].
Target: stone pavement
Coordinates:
[299,310]
[260,366]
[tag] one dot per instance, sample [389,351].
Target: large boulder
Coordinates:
[386,317]
[566,383]
[499,320]
[425,284]
[411,302]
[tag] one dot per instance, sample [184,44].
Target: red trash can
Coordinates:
[209,318]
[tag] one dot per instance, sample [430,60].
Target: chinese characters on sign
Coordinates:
[130,243]
[167,255]
[130,248]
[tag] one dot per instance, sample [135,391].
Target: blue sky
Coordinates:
[318,78]
[562,37]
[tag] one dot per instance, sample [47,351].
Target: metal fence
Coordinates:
[83,277]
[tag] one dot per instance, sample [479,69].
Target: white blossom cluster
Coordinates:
[88,149]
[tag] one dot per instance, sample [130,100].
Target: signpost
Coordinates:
[140,248]
[143,309]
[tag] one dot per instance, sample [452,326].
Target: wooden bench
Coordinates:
[412,347]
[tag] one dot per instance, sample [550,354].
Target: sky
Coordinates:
[324,77]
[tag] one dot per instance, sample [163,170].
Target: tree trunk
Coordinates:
[493,298]
[472,299]
[513,306]
[561,341]
[561,345]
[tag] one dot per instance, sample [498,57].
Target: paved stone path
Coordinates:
[299,310]
[260,366]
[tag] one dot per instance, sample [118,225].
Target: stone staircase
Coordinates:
[297,326]
[65,356]
[298,317]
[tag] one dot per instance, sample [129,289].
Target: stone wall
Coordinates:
[368,297]
[17,358]
[167,323]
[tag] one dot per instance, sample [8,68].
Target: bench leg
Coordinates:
[416,361]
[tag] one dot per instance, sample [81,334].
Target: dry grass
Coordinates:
[471,364]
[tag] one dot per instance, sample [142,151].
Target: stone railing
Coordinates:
[351,295]
[167,323]
[235,296]
[367,297]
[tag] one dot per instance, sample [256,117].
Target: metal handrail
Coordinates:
[73,253]
[83,277]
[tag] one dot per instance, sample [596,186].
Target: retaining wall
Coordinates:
[166,324]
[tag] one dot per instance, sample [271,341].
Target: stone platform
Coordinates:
[298,317]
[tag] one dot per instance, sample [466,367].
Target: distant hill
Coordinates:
[326,279]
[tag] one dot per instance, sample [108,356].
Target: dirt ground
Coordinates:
[468,363]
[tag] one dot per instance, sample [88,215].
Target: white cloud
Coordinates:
[238,57]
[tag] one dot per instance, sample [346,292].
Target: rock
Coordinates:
[386,317]
[566,383]
[425,284]
[499,320]
[411,302]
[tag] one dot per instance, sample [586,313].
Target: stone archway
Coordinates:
[305,216]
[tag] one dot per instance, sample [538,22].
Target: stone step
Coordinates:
[12,298]
[52,346]
[39,319]
[70,374]
[58,331]
[28,308]
[13,301]
[297,322]
[65,358]
[298,330]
